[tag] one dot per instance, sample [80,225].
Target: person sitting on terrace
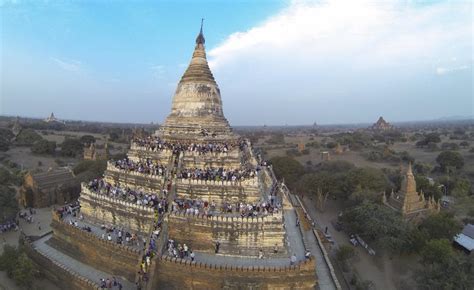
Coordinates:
[217,174]
[139,197]
[148,166]
[154,143]
[198,206]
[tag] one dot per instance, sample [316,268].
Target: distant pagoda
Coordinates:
[411,204]
[381,125]
[193,186]
[51,118]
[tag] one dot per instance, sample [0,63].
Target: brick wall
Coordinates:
[115,259]
[103,209]
[182,274]
[57,273]
[238,236]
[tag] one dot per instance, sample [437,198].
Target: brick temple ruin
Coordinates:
[191,207]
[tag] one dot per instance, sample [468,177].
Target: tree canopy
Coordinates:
[377,223]
[72,147]
[450,159]
[87,139]
[44,147]
[28,137]
[441,226]
[17,265]
[288,168]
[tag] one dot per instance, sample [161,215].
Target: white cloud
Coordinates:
[382,32]
[158,71]
[68,64]
[331,52]
[446,70]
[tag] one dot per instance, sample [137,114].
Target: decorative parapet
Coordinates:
[302,265]
[166,151]
[230,219]
[111,167]
[114,201]
[245,182]
[321,246]
[46,262]
[96,239]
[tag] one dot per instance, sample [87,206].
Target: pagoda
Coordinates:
[411,204]
[51,118]
[190,207]
[381,125]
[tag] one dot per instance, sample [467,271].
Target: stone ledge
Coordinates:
[302,265]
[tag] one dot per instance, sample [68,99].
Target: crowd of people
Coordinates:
[8,226]
[217,174]
[146,167]
[110,283]
[154,143]
[179,251]
[198,206]
[139,197]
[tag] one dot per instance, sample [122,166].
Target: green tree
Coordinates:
[23,273]
[288,168]
[447,271]
[441,226]
[378,224]
[8,203]
[28,137]
[94,167]
[44,147]
[437,251]
[8,259]
[432,138]
[365,179]
[312,182]
[462,187]
[72,147]
[428,188]
[4,144]
[87,139]
[17,265]
[450,159]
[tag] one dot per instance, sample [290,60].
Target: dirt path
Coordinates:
[368,267]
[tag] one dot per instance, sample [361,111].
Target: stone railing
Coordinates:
[111,167]
[95,239]
[244,182]
[321,246]
[167,151]
[135,146]
[60,271]
[115,201]
[230,219]
[229,267]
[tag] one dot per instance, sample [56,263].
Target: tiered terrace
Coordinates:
[231,248]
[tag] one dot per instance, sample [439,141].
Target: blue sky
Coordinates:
[277,62]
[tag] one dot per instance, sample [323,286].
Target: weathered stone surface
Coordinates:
[56,272]
[106,210]
[174,274]
[197,112]
[101,254]
[238,236]
[44,189]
